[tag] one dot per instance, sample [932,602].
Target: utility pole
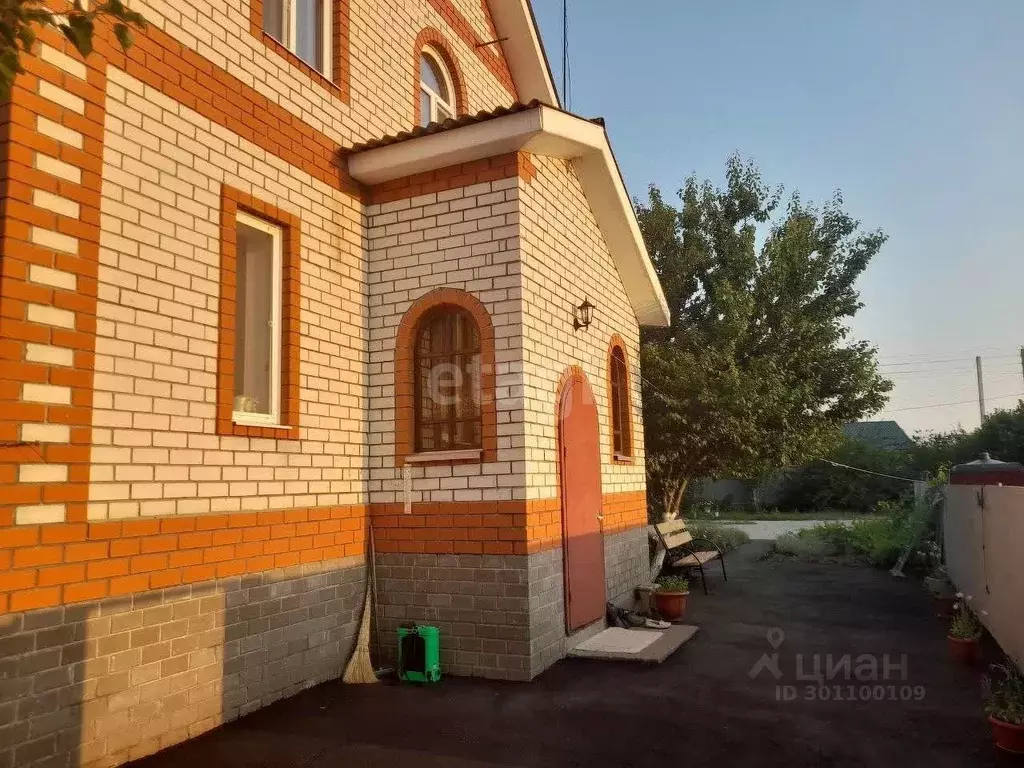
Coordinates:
[981,388]
[565,55]
[1022,361]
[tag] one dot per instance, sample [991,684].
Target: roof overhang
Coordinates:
[544,131]
[524,51]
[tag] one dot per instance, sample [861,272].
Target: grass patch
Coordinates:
[877,539]
[725,537]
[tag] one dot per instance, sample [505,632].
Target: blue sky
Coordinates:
[913,108]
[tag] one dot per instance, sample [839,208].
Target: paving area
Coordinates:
[772,529]
[702,707]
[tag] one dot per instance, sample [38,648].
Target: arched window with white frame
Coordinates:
[437,91]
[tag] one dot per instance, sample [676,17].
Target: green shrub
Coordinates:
[1005,694]
[725,537]
[673,584]
[805,545]
[879,539]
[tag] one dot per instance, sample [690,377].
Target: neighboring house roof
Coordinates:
[524,50]
[887,435]
[544,130]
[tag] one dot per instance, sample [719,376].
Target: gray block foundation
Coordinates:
[102,683]
[500,617]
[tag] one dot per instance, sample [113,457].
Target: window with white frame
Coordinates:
[303,27]
[437,94]
[257,396]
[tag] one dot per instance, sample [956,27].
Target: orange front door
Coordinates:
[580,469]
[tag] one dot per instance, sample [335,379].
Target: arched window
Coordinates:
[447,381]
[437,92]
[622,422]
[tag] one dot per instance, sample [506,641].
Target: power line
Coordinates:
[945,405]
[945,352]
[869,472]
[946,360]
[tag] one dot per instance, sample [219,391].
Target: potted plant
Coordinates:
[964,632]
[670,597]
[1004,706]
[941,589]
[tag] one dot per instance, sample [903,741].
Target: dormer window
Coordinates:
[437,94]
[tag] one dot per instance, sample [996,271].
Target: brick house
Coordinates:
[279,271]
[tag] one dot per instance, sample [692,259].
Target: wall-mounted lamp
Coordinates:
[582,315]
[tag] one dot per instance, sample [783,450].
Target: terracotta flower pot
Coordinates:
[964,651]
[1007,736]
[671,605]
[944,606]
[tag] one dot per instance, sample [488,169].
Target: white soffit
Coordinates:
[543,131]
[523,50]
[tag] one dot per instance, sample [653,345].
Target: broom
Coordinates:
[360,666]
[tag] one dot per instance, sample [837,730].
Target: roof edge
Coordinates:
[524,51]
[542,130]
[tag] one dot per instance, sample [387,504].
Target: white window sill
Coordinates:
[473,454]
[622,457]
[241,420]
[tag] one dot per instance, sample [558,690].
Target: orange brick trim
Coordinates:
[459,527]
[338,83]
[617,342]
[46,565]
[405,341]
[624,511]
[543,525]
[492,527]
[161,62]
[453,177]
[48,289]
[492,59]
[435,40]
[233,200]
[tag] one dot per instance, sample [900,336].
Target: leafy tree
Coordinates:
[756,371]
[19,20]
[1001,436]
[820,485]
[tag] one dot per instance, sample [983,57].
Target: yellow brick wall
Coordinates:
[564,260]
[464,238]
[382,33]
[155,448]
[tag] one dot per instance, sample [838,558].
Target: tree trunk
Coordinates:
[675,490]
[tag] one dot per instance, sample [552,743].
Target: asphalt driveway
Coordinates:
[736,695]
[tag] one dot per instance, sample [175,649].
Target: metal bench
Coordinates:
[683,552]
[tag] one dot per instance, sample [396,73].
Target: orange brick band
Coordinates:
[233,200]
[454,176]
[178,72]
[45,565]
[48,286]
[492,528]
[624,511]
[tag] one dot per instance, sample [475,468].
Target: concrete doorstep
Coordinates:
[651,646]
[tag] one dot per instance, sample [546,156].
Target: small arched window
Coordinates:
[622,437]
[437,92]
[447,381]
